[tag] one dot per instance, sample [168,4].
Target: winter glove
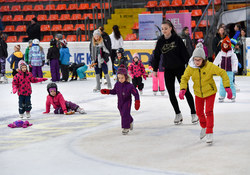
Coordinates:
[239,65]
[137,104]
[229,92]
[14,89]
[69,113]
[182,93]
[150,67]
[42,79]
[144,77]
[105,91]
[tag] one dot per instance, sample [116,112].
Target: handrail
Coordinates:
[87,28]
[95,22]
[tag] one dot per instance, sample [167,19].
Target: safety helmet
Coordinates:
[53,42]
[120,50]
[35,41]
[64,42]
[51,85]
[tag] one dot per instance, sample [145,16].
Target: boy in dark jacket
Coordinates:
[53,58]
[15,58]
[78,70]
[120,59]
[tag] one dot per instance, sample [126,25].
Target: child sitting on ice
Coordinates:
[124,89]
[61,106]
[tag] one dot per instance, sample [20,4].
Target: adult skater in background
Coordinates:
[3,56]
[202,72]
[175,57]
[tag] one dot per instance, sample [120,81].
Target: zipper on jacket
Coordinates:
[200,83]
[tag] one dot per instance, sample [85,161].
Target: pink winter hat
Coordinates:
[21,63]
[136,55]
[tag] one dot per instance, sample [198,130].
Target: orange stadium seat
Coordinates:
[50,7]
[158,12]
[131,37]
[83,38]
[5,8]
[170,11]
[27,8]
[197,35]
[106,5]
[64,17]
[176,3]
[85,15]
[91,27]
[147,12]
[183,11]
[76,17]
[84,6]
[61,7]
[56,27]
[21,0]
[71,38]
[193,23]
[136,26]
[20,28]
[82,26]
[217,2]
[20,39]
[38,8]
[42,17]
[32,0]
[204,23]
[10,28]
[210,12]
[197,12]
[98,5]
[45,28]
[99,16]
[18,18]
[29,17]
[68,27]
[164,4]
[6,18]
[202,2]
[189,3]
[47,38]
[151,4]
[15,8]
[53,17]
[11,39]
[73,7]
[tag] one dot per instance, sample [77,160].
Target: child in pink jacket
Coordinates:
[21,85]
[61,106]
[136,70]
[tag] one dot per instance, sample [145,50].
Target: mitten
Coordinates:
[105,91]
[145,77]
[182,93]
[42,79]
[137,104]
[229,92]
[14,89]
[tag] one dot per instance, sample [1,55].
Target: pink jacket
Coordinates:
[56,102]
[22,82]
[136,70]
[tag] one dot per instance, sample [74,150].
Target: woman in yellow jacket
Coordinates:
[202,72]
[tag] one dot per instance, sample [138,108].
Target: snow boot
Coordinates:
[178,119]
[108,81]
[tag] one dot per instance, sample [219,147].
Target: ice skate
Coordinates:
[209,138]
[21,116]
[81,110]
[154,93]
[203,133]
[178,119]
[28,115]
[131,126]
[125,131]
[140,92]
[221,99]
[194,119]
[233,99]
[3,79]
[237,88]
[162,93]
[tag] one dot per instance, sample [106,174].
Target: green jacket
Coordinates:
[26,55]
[204,84]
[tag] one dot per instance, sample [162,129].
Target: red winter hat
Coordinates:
[228,42]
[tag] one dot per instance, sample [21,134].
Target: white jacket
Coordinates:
[227,55]
[116,44]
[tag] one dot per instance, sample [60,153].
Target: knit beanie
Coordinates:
[21,63]
[97,32]
[122,70]
[199,51]
[228,42]
[136,55]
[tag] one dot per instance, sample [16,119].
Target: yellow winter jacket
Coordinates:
[204,84]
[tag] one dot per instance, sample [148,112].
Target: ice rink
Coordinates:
[92,144]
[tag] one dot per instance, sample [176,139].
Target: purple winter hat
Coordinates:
[122,70]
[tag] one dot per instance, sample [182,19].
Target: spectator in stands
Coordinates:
[188,42]
[33,31]
[15,58]
[116,43]
[1,24]
[3,56]
[175,58]
[217,40]
[235,39]
[26,55]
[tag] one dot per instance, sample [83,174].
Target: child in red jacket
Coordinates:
[61,106]
[21,85]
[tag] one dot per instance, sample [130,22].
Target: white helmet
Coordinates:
[35,41]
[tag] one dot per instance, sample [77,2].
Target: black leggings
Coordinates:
[170,75]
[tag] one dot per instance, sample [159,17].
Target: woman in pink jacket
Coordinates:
[61,106]
[21,85]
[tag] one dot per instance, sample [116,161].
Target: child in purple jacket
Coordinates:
[137,71]
[124,89]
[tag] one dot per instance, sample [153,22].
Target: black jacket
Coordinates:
[189,43]
[216,45]
[107,41]
[174,53]
[53,53]
[34,32]
[3,49]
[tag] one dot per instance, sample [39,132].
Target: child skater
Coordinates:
[15,58]
[124,89]
[202,72]
[120,59]
[53,56]
[21,85]
[61,106]
[64,59]
[160,78]
[137,71]
[228,61]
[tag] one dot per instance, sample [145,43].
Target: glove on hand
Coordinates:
[105,91]
[182,93]
[150,67]
[137,104]
[42,79]
[145,77]
[14,89]
[229,92]
[69,113]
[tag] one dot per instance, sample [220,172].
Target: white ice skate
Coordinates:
[131,126]
[194,119]
[21,116]
[154,93]
[81,110]
[221,99]
[233,99]
[140,92]
[96,90]
[178,119]
[125,131]
[203,133]
[28,115]
[162,93]
[209,138]
[4,79]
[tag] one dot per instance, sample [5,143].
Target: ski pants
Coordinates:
[24,104]
[69,106]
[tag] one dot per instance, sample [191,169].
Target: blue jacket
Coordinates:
[36,55]
[64,55]
[15,58]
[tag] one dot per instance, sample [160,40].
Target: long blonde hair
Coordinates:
[97,42]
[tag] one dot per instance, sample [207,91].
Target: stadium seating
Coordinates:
[11,39]
[71,38]
[147,12]
[193,23]
[45,28]
[53,17]
[176,3]
[50,7]
[217,2]
[6,18]
[27,8]
[20,39]
[95,5]
[76,17]
[73,7]
[170,11]
[38,8]
[47,38]
[202,2]
[61,7]
[189,3]
[20,28]
[42,17]
[197,12]
[64,17]
[151,4]
[15,8]
[164,4]
[85,15]
[56,27]
[68,27]
[84,6]
[136,26]
[183,11]
[82,26]
[10,28]
[5,8]
[204,23]
[29,17]
[18,18]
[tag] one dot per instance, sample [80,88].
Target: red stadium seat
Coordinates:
[61,7]
[197,12]
[84,6]
[45,28]
[76,17]
[193,23]
[29,17]
[10,28]
[15,8]
[136,26]
[131,37]
[38,8]
[99,16]
[170,11]
[11,39]
[71,38]
[151,4]
[5,8]
[85,15]
[27,8]
[6,18]
[82,26]
[95,5]
[176,3]
[53,17]
[147,12]
[202,2]
[64,17]
[73,7]
[106,5]
[50,7]
[91,27]
[20,28]
[183,11]
[18,18]
[204,23]
[68,27]
[56,27]
[42,17]
[164,4]
[21,0]
[210,12]
[158,12]
[198,35]
[47,38]
[189,3]
[217,2]
[20,39]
